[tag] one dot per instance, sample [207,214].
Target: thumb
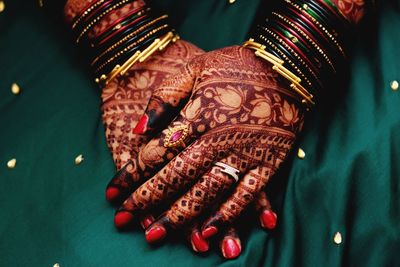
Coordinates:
[166,101]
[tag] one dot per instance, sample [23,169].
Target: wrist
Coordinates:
[306,41]
[118,34]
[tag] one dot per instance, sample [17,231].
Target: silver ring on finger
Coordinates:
[225,168]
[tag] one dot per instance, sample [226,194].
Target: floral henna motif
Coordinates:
[124,101]
[239,110]
[352,10]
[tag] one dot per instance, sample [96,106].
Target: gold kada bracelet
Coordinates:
[139,56]
[278,67]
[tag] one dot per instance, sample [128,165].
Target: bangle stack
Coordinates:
[129,39]
[305,42]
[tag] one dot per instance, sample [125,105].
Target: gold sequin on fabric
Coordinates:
[2,6]
[231,1]
[337,239]
[12,163]
[15,89]
[394,85]
[79,159]
[56,265]
[301,154]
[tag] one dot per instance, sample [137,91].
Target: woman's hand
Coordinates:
[236,111]
[125,98]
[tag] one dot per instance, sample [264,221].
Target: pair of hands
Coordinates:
[223,106]
[233,108]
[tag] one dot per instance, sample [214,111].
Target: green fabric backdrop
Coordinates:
[52,210]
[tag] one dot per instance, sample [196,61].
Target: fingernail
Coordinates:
[147,221]
[230,248]
[141,126]
[268,219]
[209,232]
[112,194]
[199,244]
[123,219]
[155,234]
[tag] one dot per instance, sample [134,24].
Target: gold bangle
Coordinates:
[302,33]
[279,68]
[120,53]
[98,18]
[127,38]
[158,44]
[319,25]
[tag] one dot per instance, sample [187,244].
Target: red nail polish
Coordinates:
[209,232]
[146,221]
[199,244]
[268,219]
[155,234]
[141,126]
[123,219]
[230,248]
[112,194]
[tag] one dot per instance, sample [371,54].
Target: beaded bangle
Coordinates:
[315,33]
[99,17]
[119,31]
[333,39]
[296,56]
[307,37]
[300,45]
[129,48]
[276,49]
[119,24]
[127,37]
[294,48]
[130,38]
[86,11]
[131,44]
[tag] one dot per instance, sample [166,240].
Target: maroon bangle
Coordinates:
[120,20]
[296,49]
[121,30]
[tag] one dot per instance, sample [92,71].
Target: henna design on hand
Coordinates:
[124,101]
[125,98]
[239,111]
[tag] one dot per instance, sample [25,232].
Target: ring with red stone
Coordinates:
[176,136]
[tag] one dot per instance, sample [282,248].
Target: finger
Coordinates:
[230,245]
[251,184]
[152,157]
[146,220]
[166,101]
[198,243]
[208,189]
[200,196]
[267,216]
[157,231]
[174,177]
[122,183]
